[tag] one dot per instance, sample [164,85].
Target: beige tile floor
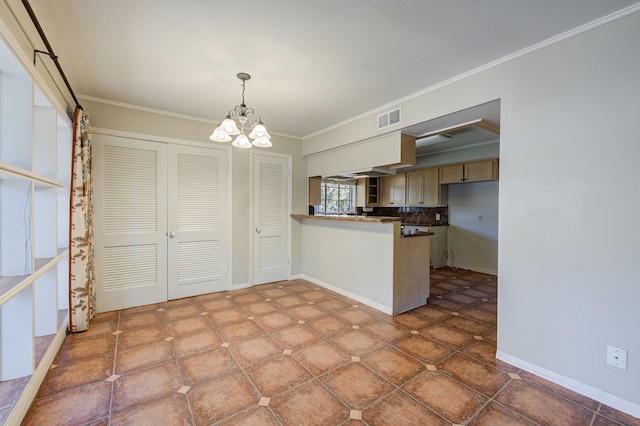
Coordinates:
[293,353]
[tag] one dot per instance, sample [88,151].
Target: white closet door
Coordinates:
[130,222]
[197,221]
[271,183]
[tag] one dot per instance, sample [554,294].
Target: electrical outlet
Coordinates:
[480,218]
[617,357]
[437,216]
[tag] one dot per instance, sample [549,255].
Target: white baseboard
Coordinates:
[383,308]
[574,385]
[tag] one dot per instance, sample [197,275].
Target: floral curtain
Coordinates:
[82,291]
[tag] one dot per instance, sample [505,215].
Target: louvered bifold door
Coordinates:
[197,221]
[270,218]
[130,222]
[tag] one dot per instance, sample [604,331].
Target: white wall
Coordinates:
[568,163]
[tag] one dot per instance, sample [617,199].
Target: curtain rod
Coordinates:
[49,51]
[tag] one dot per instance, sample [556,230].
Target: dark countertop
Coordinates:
[350,218]
[409,225]
[416,234]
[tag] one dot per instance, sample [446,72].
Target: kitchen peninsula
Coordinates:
[367,258]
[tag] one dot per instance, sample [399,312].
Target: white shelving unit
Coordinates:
[35,165]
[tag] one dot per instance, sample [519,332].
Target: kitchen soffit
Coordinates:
[470,127]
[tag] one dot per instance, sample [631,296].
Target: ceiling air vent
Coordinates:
[389,119]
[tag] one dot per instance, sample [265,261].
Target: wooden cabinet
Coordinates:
[368,192]
[481,170]
[475,171]
[315,191]
[423,188]
[452,174]
[392,190]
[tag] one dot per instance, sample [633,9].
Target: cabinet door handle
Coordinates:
[258,230]
[172,234]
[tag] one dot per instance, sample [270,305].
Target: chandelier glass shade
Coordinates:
[238,121]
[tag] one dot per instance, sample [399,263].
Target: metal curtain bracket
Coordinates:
[35,55]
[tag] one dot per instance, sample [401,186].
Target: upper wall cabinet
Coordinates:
[392,190]
[368,192]
[476,171]
[423,188]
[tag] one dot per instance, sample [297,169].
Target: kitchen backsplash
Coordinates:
[413,215]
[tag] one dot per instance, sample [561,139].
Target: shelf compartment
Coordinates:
[42,343]
[15,111]
[16,335]
[63,279]
[16,198]
[63,318]
[46,303]
[45,222]
[10,286]
[63,217]
[45,161]
[65,145]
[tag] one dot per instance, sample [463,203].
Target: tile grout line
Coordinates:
[492,399]
[113,369]
[175,360]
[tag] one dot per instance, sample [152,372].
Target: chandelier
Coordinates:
[235,122]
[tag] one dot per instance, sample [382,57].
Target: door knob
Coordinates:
[258,229]
[172,234]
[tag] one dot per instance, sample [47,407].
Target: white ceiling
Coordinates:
[314,64]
